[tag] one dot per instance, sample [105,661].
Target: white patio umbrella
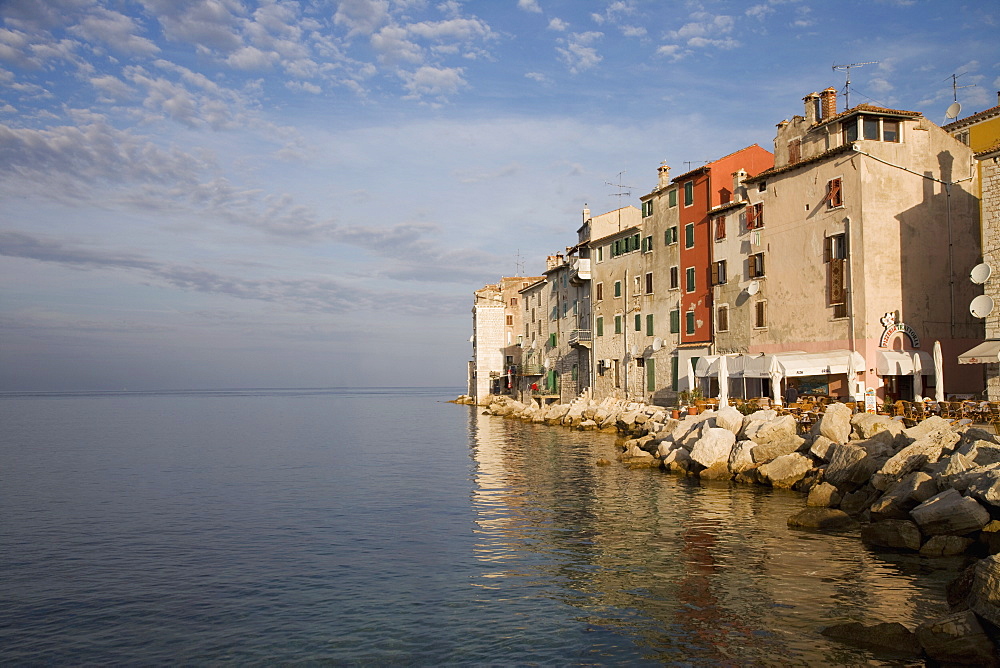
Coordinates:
[690,375]
[723,381]
[918,377]
[774,373]
[938,372]
[852,379]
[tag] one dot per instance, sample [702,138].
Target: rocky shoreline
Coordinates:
[931,488]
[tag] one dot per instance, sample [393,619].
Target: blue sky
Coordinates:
[224,193]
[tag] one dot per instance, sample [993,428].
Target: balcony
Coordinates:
[531,370]
[580,337]
[580,271]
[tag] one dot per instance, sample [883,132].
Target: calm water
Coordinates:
[381,527]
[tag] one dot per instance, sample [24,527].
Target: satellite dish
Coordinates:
[753,288]
[657,344]
[545,363]
[954,109]
[981,306]
[981,273]
[534,344]
[472,338]
[634,350]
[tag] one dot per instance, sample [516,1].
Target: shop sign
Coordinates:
[891,327]
[871,401]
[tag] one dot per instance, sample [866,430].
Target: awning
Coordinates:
[819,364]
[901,362]
[987,352]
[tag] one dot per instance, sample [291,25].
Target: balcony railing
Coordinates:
[531,369]
[579,337]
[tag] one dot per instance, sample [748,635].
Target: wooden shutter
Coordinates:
[714,274]
[827,249]
[794,151]
[834,196]
[752,212]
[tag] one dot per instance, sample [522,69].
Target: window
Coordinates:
[890,131]
[649,283]
[599,325]
[719,272]
[640,361]
[510,321]
[675,321]
[850,128]
[834,194]
[576,307]
[869,127]
[835,254]
[762,187]
[618,324]
[672,197]
[689,317]
[649,324]
[689,193]
[513,301]
[647,245]
[532,315]
[575,372]
[675,281]
[552,340]
[755,265]
[722,318]
[618,288]
[565,308]
[599,292]
[689,235]
[638,322]
[670,235]
[720,228]
[690,274]
[755,216]
[760,314]
[600,253]
[647,209]
[636,285]
[526,325]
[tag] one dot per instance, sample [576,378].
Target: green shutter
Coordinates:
[673,373]
[651,375]
[638,322]
[689,235]
[600,326]
[675,321]
[649,325]
[618,324]
[618,288]
[672,197]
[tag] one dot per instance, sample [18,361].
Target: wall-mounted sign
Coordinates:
[891,327]
[871,401]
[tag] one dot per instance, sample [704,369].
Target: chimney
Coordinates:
[664,176]
[829,102]
[738,190]
[812,107]
[586,214]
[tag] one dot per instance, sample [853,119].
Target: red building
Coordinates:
[699,190]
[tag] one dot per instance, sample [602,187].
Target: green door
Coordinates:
[651,375]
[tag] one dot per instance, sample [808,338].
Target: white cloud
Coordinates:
[251,58]
[114,30]
[207,24]
[362,17]
[529,6]
[759,11]
[558,25]
[393,46]
[579,54]
[537,76]
[113,86]
[633,31]
[672,51]
[434,81]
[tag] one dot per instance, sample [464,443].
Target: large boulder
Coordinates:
[717,471]
[985,487]
[897,534]
[914,456]
[741,458]
[957,638]
[836,423]
[729,418]
[945,546]
[823,495]
[858,501]
[984,590]
[903,497]
[924,427]
[950,513]
[850,467]
[867,425]
[822,448]
[677,460]
[714,446]
[786,470]
[824,519]
[890,637]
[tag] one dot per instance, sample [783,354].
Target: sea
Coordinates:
[383,527]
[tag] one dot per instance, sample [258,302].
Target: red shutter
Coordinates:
[833,193]
[751,216]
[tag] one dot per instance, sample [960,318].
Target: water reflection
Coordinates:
[684,572]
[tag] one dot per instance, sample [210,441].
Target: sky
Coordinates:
[227,193]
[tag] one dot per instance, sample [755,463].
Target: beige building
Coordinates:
[864,232]
[497,321]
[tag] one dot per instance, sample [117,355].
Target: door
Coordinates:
[651,375]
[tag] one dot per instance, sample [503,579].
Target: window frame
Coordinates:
[599,325]
[755,265]
[675,321]
[638,322]
[690,280]
[718,270]
[760,314]
[689,239]
[835,193]
[755,216]
[618,289]
[689,323]
[720,228]
[618,324]
[670,236]
[722,318]
[649,282]
[688,194]
[599,292]
[672,198]
[675,277]
[649,324]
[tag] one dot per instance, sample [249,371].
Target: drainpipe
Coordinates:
[625,331]
[850,300]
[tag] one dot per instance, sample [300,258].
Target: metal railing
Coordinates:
[578,336]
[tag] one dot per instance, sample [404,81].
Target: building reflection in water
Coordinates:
[686,571]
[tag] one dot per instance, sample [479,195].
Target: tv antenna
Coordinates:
[691,162]
[622,192]
[847,85]
[955,108]
[518,263]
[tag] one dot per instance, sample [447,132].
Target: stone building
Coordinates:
[868,227]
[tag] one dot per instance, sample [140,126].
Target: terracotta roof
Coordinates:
[867,109]
[986,151]
[973,119]
[846,148]
[727,206]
